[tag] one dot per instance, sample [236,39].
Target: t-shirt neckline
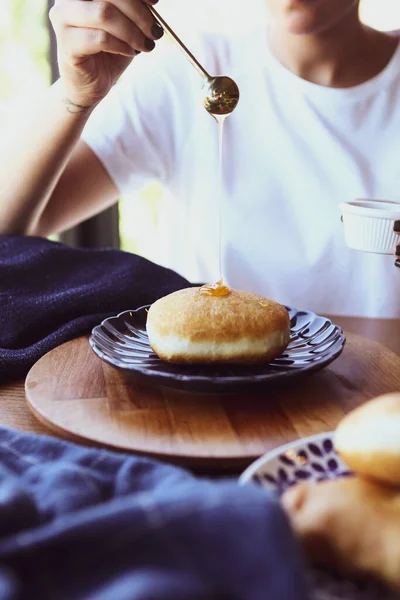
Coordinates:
[359,91]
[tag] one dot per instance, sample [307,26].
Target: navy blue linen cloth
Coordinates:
[51,293]
[85,524]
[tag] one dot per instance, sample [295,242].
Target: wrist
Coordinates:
[74,107]
[73,103]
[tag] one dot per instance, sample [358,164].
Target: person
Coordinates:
[316,125]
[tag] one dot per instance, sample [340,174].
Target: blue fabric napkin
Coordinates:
[51,293]
[85,524]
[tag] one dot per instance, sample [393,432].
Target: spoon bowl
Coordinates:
[221,95]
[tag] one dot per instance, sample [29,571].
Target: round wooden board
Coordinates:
[83,399]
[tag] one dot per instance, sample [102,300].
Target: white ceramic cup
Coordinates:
[368,225]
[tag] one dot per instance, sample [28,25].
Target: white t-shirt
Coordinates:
[293,151]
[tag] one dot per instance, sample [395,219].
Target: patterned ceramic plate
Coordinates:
[311,459]
[122,341]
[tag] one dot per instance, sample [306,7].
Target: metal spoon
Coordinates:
[221,94]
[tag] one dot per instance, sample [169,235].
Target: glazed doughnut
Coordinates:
[368,439]
[191,327]
[350,526]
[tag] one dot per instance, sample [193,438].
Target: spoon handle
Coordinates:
[176,39]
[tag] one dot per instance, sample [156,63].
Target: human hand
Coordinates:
[396,229]
[96,41]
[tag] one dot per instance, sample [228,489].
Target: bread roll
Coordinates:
[368,439]
[350,526]
[240,327]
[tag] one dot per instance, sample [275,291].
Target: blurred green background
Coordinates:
[24,65]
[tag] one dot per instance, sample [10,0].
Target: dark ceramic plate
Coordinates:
[122,342]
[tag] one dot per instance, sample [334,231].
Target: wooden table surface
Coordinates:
[15,413]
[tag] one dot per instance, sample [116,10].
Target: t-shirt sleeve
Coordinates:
[137,131]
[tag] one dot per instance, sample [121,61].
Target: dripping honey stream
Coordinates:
[219,288]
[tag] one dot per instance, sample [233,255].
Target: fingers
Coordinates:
[80,21]
[86,42]
[138,13]
[396,229]
[121,26]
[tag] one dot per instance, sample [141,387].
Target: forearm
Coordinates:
[34,158]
